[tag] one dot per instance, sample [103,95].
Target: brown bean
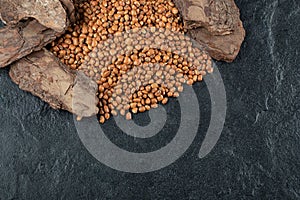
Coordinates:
[128,116]
[134,110]
[102,119]
[142,109]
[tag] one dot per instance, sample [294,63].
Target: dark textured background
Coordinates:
[257,156]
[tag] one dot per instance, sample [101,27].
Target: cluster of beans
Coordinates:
[136,51]
[101,18]
[143,67]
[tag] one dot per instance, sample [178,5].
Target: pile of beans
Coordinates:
[136,51]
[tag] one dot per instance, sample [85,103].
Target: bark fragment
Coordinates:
[30,25]
[42,74]
[215,24]
[49,13]
[23,39]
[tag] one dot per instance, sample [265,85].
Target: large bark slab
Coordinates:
[30,25]
[49,13]
[215,24]
[17,42]
[42,74]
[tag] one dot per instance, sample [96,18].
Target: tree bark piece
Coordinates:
[20,41]
[49,13]
[215,24]
[30,25]
[42,74]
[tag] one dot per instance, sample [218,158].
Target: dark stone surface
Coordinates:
[257,156]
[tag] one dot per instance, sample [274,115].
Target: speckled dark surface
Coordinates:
[257,156]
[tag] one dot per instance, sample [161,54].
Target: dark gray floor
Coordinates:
[257,156]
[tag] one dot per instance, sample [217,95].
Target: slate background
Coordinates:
[257,156]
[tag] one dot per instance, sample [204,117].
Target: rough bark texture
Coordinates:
[215,24]
[49,13]
[42,74]
[30,25]
[70,9]
[20,41]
